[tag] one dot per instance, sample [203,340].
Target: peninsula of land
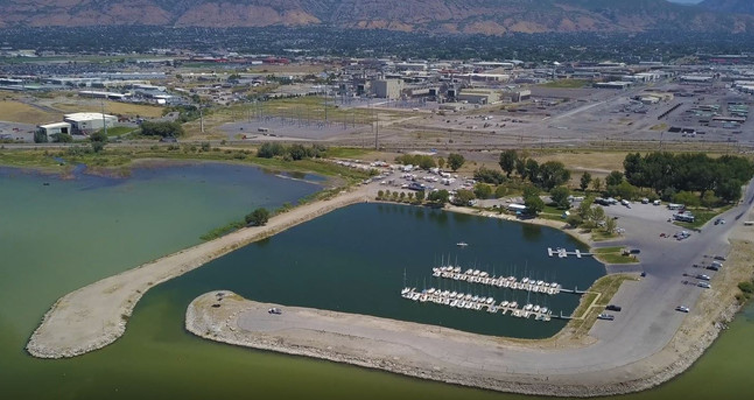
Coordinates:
[96,315]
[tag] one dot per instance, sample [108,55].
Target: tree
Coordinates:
[559,196]
[534,205]
[709,199]
[597,184]
[585,208]
[258,217]
[530,190]
[625,190]
[297,152]
[729,191]
[551,174]
[40,136]
[610,225]
[402,196]
[455,161]
[483,191]
[426,162]
[98,139]
[441,162]
[62,138]
[508,161]
[531,169]
[574,220]
[614,179]
[501,191]
[420,197]
[489,176]
[521,167]
[586,179]
[439,197]
[270,150]
[380,194]
[687,198]
[463,197]
[162,129]
[98,146]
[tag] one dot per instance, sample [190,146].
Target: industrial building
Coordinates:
[387,88]
[479,96]
[50,130]
[612,85]
[88,123]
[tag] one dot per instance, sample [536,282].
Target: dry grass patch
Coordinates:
[23,113]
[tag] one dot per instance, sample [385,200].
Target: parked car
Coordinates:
[682,309]
[606,317]
[613,307]
[275,311]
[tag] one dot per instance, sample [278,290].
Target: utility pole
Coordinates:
[201,118]
[377,132]
[104,121]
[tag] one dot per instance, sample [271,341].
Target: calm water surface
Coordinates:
[54,239]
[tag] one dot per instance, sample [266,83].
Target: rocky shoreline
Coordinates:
[217,315]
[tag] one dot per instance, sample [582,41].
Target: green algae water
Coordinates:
[54,239]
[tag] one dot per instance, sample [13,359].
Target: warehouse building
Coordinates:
[479,96]
[51,130]
[88,123]
[387,88]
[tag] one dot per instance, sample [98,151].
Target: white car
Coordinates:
[682,309]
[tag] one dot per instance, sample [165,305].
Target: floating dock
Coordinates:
[477,303]
[484,278]
[563,253]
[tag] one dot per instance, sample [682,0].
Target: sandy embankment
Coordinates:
[96,315]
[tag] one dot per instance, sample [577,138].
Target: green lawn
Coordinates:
[613,255]
[702,217]
[606,286]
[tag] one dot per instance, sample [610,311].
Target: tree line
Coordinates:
[669,174]
[292,152]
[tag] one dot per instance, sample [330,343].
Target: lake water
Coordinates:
[57,238]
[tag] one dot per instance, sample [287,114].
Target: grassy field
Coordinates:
[588,309]
[15,111]
[599,235]
[111,107]
[567,84]
[614,255]
[702,216]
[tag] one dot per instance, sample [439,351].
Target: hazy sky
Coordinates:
[685,1]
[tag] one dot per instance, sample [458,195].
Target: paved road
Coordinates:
[648,314]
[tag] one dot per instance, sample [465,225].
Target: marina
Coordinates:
[484,278]
[477,303]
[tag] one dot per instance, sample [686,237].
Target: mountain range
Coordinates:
[729,6]
[494,17]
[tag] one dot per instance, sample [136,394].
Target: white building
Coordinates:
[88,123]
[49,130]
